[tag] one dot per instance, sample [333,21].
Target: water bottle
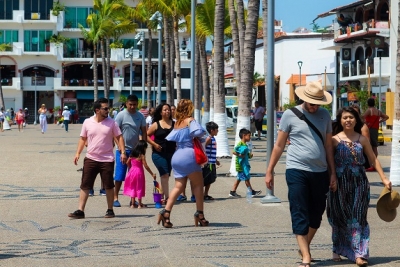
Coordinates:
[250,147]
[249,195]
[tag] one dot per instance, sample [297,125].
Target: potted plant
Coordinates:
[116,44]
[57,8]
[58,39]
[68,24]
[55,113]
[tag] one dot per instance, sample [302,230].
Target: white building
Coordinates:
[62,74]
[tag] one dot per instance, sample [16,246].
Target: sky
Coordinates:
[301,13]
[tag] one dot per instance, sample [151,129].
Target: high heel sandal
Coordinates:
[197,219]
[165,220]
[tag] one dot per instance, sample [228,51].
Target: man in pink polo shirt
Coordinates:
[99,132]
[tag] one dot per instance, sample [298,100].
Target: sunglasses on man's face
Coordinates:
[313,105]
[106,109]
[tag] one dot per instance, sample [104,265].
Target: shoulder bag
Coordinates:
[302,117]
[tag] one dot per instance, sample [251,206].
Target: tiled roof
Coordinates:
[294,79]
[276,34]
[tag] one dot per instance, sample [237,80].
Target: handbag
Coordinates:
[199,153]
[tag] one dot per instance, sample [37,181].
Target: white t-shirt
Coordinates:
[1,115]
[149,121]
[114,114]
[66,113]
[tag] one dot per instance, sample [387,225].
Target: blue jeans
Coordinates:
[66,125]
[307,198]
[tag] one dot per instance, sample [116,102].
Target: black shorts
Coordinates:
[90,170]
[373,137]
[258,124]
[209,173]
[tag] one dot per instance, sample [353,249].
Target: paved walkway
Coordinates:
[39,186]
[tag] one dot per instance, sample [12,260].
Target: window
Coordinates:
[7,7]
[77,15]
[34,41]
[8,36]
[37,9]
[185,73]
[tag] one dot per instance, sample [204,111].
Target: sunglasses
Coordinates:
[313,105]
[106,109]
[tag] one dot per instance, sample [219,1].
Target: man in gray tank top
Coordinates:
[310,170]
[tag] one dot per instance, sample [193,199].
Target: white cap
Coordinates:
[26,108]
[66,107]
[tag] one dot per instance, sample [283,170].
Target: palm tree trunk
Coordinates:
[167,61]
[149,103]
[172,58]
[235,41]
[219,89]
[205,80]
[177,60]
[107,83]
[197,103]
[395,159]
[103,66]
[246,83]
[95,78]
[241,27]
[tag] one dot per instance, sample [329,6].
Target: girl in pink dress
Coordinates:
[135,185]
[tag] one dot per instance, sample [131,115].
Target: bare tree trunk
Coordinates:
[177,60]
[103,66]
[205,80]
[167,61]
[236,43]
[219,82]
[197,103]
[149,103]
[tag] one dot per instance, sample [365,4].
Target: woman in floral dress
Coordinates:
[347,207]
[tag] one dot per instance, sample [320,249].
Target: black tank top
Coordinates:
[159,137]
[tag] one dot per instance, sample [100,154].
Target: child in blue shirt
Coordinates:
[243,154]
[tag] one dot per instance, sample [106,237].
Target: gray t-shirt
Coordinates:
[306,150]
[130,125]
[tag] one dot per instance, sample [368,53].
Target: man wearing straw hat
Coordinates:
[310,170]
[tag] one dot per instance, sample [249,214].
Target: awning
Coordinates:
[295,79]
[88,94]
[340,8]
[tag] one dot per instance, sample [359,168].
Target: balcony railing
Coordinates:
[359,69]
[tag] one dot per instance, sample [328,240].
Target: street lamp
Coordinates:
[130,54]
[380,76]
[141,37]
[300,63]
[158,17]
[35,113]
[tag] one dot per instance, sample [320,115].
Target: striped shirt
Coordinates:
[211,151]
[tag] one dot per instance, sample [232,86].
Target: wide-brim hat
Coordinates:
[313,93]
[387,203]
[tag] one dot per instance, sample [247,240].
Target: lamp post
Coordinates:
[300,63]
[141,37]
[35,113]
[157,16]
[193,44]
[380,77]
[130,54]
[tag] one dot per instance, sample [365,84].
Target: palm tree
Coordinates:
[219,83]
[117,14]
[143,11]
[247,67]
[176,9]
[395,159]
[93,36]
